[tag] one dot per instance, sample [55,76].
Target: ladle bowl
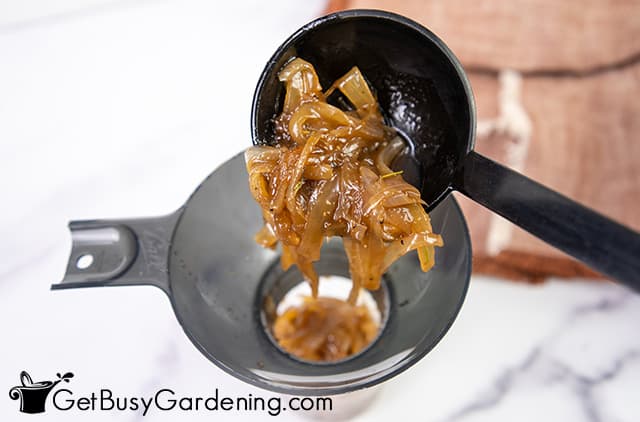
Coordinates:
[424,93]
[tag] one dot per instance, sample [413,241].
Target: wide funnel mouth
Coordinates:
[220,279]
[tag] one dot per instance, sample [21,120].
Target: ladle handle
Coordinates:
[604,245]
[119,252]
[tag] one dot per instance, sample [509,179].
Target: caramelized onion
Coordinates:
[330,175]
[325,329]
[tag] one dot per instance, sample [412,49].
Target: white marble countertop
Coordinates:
[115,109]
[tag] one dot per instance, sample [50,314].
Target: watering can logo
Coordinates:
[33,395]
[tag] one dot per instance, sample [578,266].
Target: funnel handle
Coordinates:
[119,252]
[604,245]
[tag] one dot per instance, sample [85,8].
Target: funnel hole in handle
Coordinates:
[84,261]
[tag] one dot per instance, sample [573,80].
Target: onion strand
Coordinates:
[330,174]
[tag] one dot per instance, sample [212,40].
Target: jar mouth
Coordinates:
[281,289]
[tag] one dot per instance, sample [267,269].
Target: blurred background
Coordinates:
[112,108]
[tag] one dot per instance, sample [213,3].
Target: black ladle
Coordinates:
[425,94]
